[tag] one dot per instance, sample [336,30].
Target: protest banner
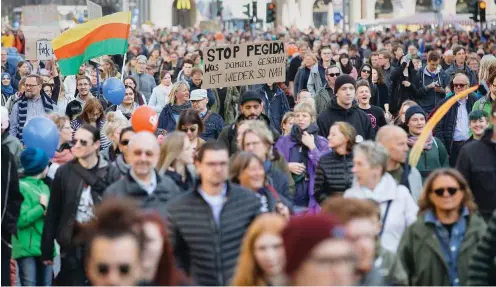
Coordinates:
[94,10]
[40,15]
[244,64]
[209,25]
[44,50]
[33,34]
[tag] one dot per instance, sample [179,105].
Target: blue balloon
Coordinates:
[41,132]
[80,19]
[114,90]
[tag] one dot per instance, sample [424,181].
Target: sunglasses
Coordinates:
[83,142]
[191,129]
[459,85]
[366,71]
[124,142]
[104,269]
[334,75]
[440,191]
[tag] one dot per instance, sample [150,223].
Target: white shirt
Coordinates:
[216,202]
[85,210]
[148,187]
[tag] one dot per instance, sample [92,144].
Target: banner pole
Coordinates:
[97,81]
[123,66]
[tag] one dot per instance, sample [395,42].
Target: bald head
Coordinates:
[395,140]
[144,152]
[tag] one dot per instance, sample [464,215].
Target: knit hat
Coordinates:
[198,95]
[250,96]
[303,233]
[34,161]
[343,79]
[413,110]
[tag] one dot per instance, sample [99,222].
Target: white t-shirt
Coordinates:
[85,210]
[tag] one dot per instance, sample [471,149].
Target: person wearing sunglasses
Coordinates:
[63,154]
[326,92]
[143,183]
[454,128]
[437,248]
[191,124]
[176,159]
[122,160]
[77,188]
[398,208]
[114,124]
[115,244]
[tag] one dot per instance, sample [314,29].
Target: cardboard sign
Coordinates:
[209,25]
[244,64]
[40,15]
[33,34]
[94,10]
[44,50]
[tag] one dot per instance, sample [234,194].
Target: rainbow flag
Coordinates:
[103,36]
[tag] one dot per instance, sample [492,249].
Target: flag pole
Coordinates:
[123,65]
[97,81]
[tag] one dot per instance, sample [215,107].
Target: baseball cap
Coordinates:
[198,94]
[250,96]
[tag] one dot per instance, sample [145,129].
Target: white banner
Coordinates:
[244,64]
[44,50]
[94,10]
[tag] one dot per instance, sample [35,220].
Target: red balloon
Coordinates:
[144,119]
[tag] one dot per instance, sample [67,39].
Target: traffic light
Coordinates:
[473,8]
[271,12]
[220,7]
[247,11]
[482,10]
[254,8]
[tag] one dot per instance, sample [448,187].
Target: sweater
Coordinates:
[208,252]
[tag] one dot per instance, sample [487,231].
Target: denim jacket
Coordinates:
[450,246]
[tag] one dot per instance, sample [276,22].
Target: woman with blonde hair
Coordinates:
[178,102]
[115,123]
[63,153]
[437,248]
[176,159]
[262,258]
[287,123]
[110,71]
[400,119]
[301,77]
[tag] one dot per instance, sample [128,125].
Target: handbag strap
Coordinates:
[273,191]
[385,217]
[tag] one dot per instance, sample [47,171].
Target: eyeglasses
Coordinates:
[139,152]
[30,86]
[366,71]
[459,86]
[334,75]
[191,129]
[124,142]
[83,142]
[104,269]
[440,191]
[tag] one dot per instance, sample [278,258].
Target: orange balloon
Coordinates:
[144,119]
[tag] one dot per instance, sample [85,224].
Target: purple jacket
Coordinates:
[284,145]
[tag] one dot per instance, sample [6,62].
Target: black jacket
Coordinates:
[11,199]
[333,175]
[66,189]
[354,116]
[400,93]
[477,163]
[208,253]
[228,135]
[445,129]
[128,187]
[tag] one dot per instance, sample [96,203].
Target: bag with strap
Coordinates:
[385,217]
[205,118]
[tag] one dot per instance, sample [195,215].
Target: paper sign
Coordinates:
[94,10]
[44,50]
[40,15]
[244,64]
[33,34]
[209,25]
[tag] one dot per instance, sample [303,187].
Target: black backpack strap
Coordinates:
[385,216]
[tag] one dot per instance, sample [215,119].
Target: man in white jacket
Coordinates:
[398,209]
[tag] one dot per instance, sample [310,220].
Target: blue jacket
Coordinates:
[471,75]
[166,121]
[276,108]
[212,126]
[426,98]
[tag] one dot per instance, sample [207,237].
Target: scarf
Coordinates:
[299,152]
[428,143]
[178,109]
[7,90]
[127,112]
[48,104]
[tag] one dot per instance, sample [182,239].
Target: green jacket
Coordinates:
[27,243]
[484,104]
[432,159]
[321,99]
[423,259]
[389,266]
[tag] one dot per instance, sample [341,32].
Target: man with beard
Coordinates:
[251,107]
[34,102]
[76,189]
[142,182]
[76,106]
[70,82]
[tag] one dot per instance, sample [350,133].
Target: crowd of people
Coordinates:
[302,182]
